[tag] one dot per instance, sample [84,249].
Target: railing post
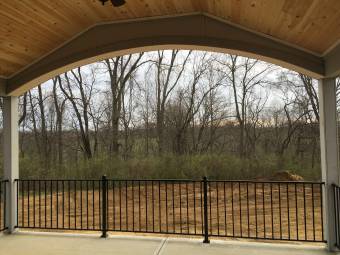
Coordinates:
[329,154]
[4,191]
[11,158]
[336,214]
[205,207]
[104,207]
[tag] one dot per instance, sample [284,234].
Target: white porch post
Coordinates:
[11,158]
[329,153]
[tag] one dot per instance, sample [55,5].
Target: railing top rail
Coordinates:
[176,180]
[3,180]
[116,179]
[157,180]
[59,180]
[335,185]
[257,181]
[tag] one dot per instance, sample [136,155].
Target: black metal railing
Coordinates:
[242,209]
[59,204]
[156,206]
[3,189]
[266,210]
[336,190]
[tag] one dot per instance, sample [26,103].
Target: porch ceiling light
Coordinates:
[115,3]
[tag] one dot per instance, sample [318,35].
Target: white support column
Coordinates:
[11,158]
[329,154]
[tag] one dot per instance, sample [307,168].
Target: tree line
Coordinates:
[173,103]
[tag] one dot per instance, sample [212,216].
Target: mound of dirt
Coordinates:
[282,176]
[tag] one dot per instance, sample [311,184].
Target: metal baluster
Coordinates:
[304,209]
[280,210]
[288,211]
[187,195]
[146,205]
[296,213]
[205,198]
[126,208]
[104,208]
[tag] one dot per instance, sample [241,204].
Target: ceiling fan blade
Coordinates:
[117,3]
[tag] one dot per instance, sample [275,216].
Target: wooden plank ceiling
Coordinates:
[30,29]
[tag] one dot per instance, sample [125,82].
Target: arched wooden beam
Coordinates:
[195,31]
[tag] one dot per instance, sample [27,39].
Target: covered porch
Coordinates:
[41,39]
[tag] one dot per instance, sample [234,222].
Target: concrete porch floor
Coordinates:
[74,244]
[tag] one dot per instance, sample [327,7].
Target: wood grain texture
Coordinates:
[29,29]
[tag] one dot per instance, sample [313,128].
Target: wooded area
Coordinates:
[172,114]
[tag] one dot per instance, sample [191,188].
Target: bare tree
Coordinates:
[59,105]
[45,149]
[168,75]
[128,108]
[80,104]
[191,99]
[243,75]
[254,123]
[120,70]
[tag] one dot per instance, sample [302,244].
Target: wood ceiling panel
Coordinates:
[32,28]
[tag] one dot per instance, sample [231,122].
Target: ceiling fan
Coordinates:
[115,3]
